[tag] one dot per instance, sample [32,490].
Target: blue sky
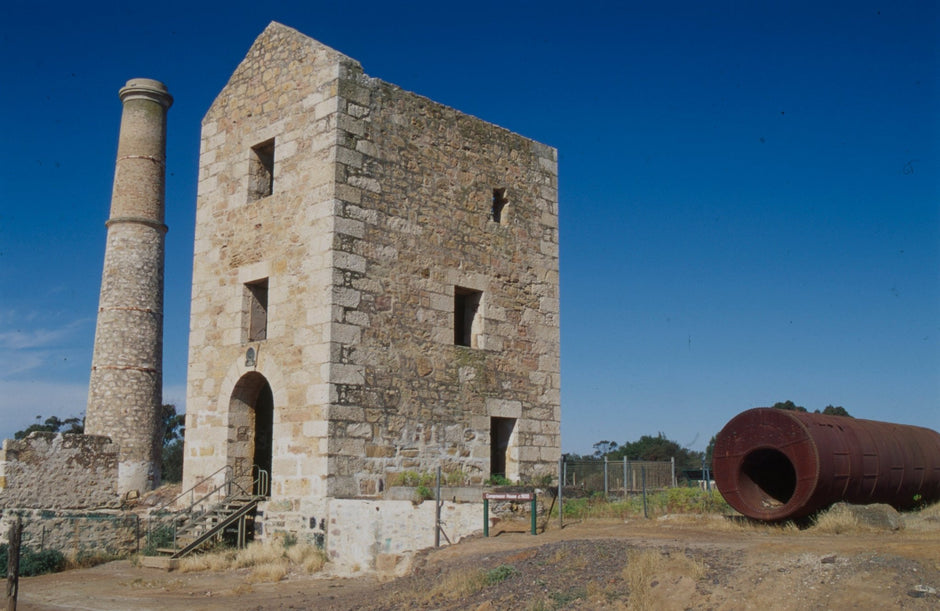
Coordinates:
[749,195]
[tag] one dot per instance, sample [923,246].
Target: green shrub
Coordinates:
[499,574]
[161,536]
[33,563]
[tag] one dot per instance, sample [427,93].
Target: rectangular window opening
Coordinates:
[256,294]
[500,437]
[468,319]
[499,204]
[261,171]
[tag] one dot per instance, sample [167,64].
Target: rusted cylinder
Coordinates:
[774,465]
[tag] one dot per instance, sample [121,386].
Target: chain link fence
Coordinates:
[621,477]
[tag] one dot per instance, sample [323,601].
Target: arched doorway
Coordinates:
[251,429]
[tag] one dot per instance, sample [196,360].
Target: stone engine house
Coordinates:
[375,288]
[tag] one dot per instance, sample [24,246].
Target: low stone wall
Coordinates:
[57,471]
[384,535]
[74,532]
[364,535]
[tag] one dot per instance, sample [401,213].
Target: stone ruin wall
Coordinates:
[59,471]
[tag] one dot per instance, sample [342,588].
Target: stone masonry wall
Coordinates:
[283,90]
[57,471]
[379,213]
[416,186]
[75,533]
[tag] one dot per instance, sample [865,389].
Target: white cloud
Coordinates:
[25,350]
[33,338]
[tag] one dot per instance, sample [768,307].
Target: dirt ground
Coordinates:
[693,563]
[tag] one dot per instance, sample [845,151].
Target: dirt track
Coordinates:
[581,566]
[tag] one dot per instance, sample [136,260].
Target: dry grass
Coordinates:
[462,585]
[838,520]
[930,512]
[269,561]
[269,572]
[312,559]
[646,566]
[84,560]
[456,585]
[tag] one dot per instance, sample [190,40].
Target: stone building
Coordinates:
[375,290]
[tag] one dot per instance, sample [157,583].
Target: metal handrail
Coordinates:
[191,491]
[261,483]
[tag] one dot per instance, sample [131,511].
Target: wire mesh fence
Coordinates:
[75,533]
[619,477]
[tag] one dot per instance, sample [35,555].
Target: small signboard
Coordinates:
[508,496]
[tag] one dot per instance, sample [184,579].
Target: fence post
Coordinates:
[561,473]
[437,509]
[486,517]
[13,563]
[643,479]
[673,461]
[605,478]
[624,477]
[532,510]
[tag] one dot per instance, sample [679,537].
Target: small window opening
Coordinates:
[467,318]
[499,203]
[261,171]
[500,436]
[257,310]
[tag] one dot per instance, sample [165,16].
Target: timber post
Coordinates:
[13,563]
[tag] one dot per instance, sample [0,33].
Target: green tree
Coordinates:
[833,410]
[788,405]
[174,428]
[604,448]
[710,451]
[658,448]
[53,424]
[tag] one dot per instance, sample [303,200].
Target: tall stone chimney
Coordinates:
[125,393]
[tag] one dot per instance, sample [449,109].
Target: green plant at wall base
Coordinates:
[160,536]
[423,493]
[455,478]
[411,479]
[498,480]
